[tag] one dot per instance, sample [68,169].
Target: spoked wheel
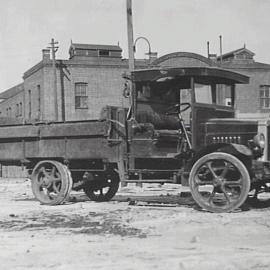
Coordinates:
[101,190]
[51,182]
[219,182]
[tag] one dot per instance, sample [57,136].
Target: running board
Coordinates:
[149,181]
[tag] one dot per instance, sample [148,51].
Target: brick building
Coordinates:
[12,102]
[252,100]
[89,80]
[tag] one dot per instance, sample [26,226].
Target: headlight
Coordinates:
[259,140]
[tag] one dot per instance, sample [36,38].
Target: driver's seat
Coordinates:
[158,120]
[166,127]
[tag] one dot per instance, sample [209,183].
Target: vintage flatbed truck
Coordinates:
[174,132]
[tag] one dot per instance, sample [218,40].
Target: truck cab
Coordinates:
[181,128]
[174,111]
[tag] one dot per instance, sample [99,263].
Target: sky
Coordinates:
[26,27]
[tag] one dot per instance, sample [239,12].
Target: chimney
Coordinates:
[45,54]
[220,48]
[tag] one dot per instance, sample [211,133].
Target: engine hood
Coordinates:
[225,130]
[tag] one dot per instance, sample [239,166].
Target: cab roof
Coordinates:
[210,74]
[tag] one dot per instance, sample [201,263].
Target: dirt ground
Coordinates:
[152,227]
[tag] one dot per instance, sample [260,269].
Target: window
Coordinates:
[29,105]
[39,101]
[265,96]
[17,113]
[203,93]
[20,108]
[228,101]
[81,97]
[9,112]
[104,53]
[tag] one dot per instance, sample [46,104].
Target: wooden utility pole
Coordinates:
[130,36]
[54,50]
[131,60]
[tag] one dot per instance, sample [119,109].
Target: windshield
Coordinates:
[220,94]
[169,93]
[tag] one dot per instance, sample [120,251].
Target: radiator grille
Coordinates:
[227,139]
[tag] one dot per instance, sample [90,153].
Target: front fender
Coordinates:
[236,149]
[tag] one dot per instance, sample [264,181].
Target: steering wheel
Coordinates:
[176,109]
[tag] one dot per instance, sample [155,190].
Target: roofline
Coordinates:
[7,99]
[98,46]
[123,63]
[18,85]
[183,54]
[229,65]
[233,52]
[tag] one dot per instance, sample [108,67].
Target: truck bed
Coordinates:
[69,140]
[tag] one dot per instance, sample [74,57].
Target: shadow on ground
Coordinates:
[183,199]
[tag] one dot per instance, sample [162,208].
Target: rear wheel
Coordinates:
[219,182]
[104,189]
[51,182]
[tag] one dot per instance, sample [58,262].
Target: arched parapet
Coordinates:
[183,59]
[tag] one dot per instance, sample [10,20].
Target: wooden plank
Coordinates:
[76,129]
[11,151]
[13,132]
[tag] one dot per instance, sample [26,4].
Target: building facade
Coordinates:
[252,100]
[12,102]
[88,81]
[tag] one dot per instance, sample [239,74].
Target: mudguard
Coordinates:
[236,149]
[240,151]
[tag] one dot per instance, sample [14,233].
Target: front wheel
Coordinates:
[219,182]
[101,190]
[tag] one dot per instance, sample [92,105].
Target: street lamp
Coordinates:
[150,53]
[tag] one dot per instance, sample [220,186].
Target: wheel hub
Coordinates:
[218,182]
[46,182]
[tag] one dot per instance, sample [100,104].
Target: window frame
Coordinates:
[264,96]
[29,104]
[81,95]
[17,112]
[20,109]
[104,53]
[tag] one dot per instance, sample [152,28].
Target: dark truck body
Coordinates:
[66,141]
[214,153]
